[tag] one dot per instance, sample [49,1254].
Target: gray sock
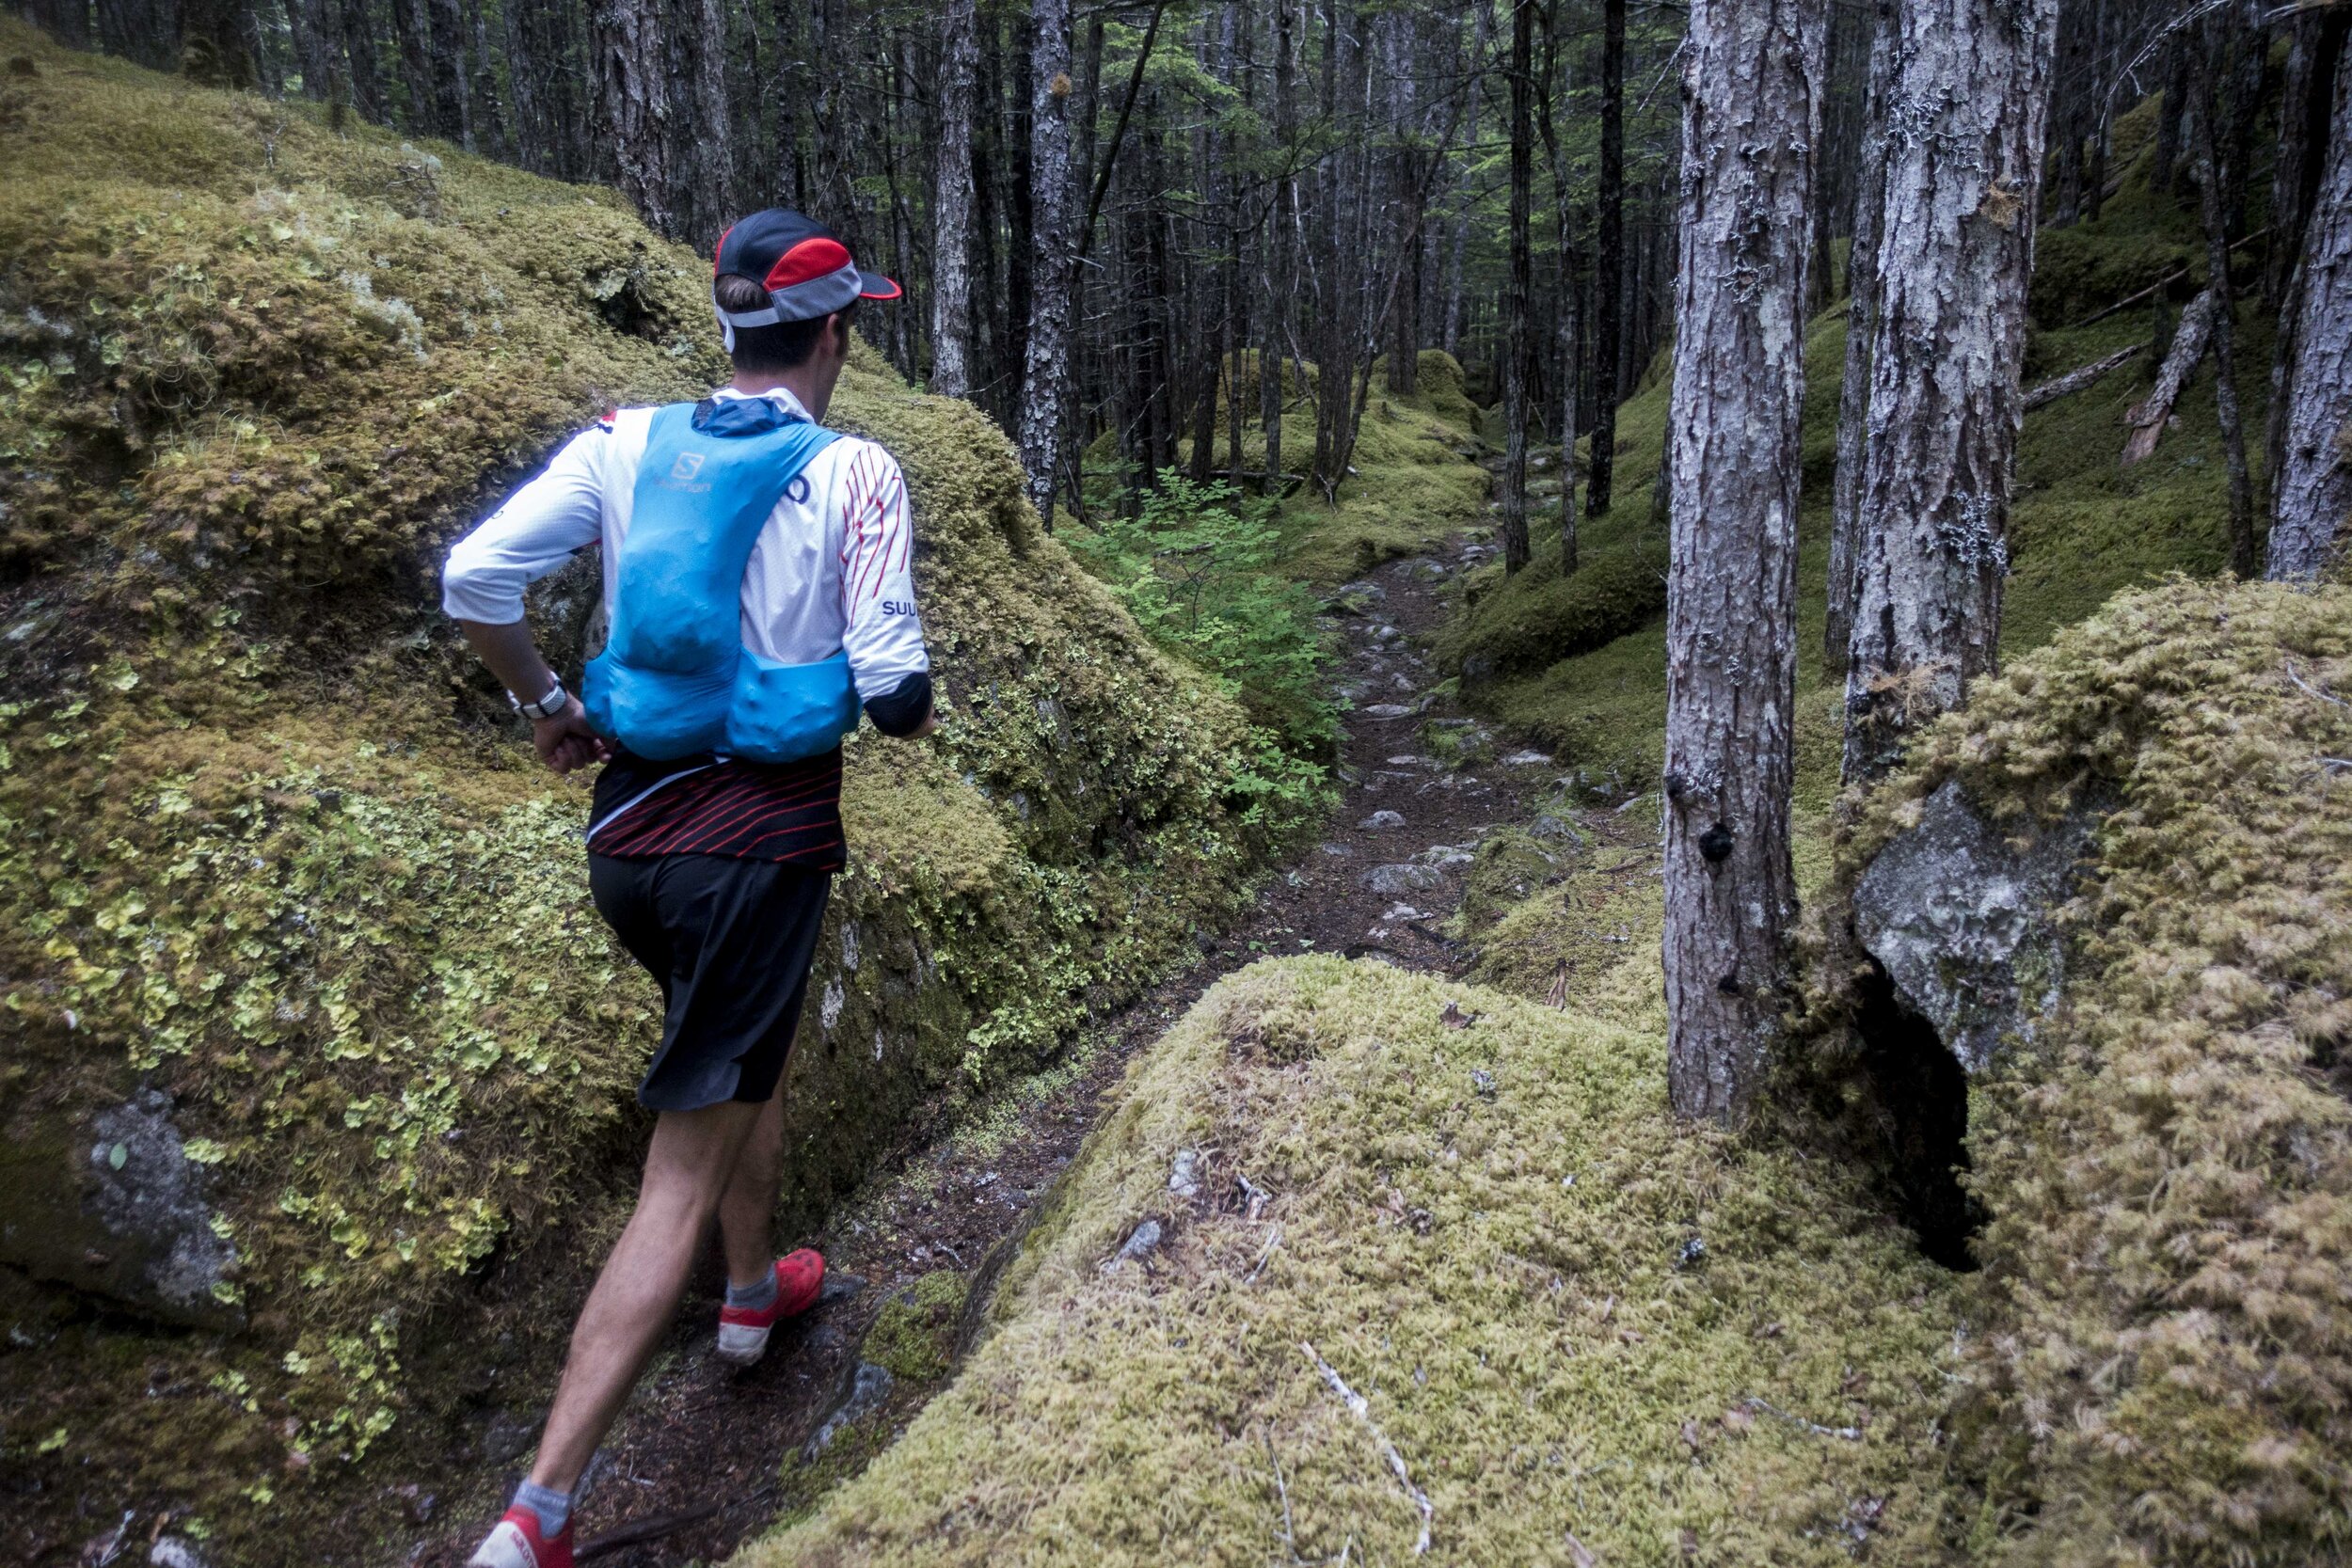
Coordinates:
[553,1508]
[753,1297]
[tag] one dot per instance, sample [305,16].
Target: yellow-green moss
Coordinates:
[268,842]
[913,1336]
[1487,1234]
[2164,1365]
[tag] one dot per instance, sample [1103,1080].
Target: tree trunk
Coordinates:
[2212,177]
[1862,297]
[1955,252]
[1517,294]
[312,38]
[1564,325]
[2314,484]
[1750,122]
[1608,258]
[215,42]
[1283,221]
[1044,376]
[67,21]
[1481,35]
[631,76]
[951,282]
[2164,162]
[413,25]
[2147,418]
[451,109]
[367,76]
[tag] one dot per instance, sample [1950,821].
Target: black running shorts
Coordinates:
[730,941]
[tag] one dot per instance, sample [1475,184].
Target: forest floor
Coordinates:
[706,1456]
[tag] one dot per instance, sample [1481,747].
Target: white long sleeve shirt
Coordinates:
[829,574]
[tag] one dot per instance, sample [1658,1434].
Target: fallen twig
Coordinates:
[2081,376]
[1273,1242]
[644,1530]
[2148,416]
[2321,693]
[1361,1408]
[1851,1434]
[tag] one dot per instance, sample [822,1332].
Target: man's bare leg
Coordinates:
[693,1158]
[748,1208]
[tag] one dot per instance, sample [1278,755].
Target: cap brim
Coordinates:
[873,285]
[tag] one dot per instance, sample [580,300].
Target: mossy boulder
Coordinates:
[271,850]
[1581,1330]
[2162,1139]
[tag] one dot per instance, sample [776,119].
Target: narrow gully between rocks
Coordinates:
[695,1465]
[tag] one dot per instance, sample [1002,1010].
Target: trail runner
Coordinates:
[757,585]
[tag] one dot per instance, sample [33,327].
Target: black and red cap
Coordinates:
[805,267]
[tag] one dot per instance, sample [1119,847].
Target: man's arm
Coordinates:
[880,631]
[482,588]
[564,742]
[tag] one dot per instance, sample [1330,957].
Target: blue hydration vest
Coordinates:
[674,677]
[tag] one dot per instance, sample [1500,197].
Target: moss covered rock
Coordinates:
[271,851]
[2164,1146]
[1581,1330]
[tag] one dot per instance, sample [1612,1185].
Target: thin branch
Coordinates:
[1361,1408]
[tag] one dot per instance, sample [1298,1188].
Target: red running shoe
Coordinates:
[517,1543]
[743,1330]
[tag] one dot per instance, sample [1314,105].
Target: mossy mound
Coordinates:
[272,853]
[2163,1368]
[1589,1332]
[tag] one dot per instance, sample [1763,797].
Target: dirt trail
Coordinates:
[694,1468]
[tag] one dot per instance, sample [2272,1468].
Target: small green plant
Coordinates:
[1195,566]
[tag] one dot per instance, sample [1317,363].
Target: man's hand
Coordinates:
[565,742]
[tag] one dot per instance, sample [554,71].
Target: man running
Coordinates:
[757,586]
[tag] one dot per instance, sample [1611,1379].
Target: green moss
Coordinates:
[268,842]
[1487,1234]
[1507,868]
[913,1335]
[2163,1366]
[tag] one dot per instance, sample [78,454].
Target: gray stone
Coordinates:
[1961,919]
[1444,855]
[508,1436]
[1383,819]
[115,1206]
[1184,1176]
[1527,759]
[868,1386]
[1142,1242]
[175,1551]
[1552,826]
[1388,710]
[1395,881]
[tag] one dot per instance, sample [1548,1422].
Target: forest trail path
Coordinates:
[692,1469]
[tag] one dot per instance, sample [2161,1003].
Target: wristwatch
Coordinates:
[547,706]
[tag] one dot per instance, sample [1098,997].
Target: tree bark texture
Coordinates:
[2212,174]
[1044,374]
[1862,297]
[2147,416]
[951,279]
[1752,76]
[1518,297]
[1965,122]
[633,106]
[2314,483]
[1609,264]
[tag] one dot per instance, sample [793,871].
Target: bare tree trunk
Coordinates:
[1750,120]
[450,104]
[2314,483]
[1963,184]
[1565,327]
[366,75]
[1482,31]
[1862,315]
[2211,175]
[633,106]
[1518,296]
[2164,170]
[951,282]
[1609,258]
[2147,418]
[412,24]
[1044,377]
[215,42]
